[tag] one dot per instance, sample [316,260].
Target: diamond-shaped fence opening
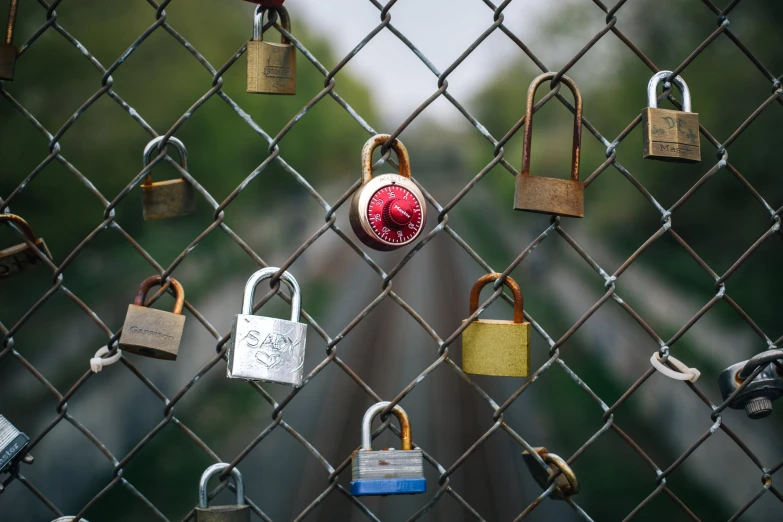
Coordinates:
[678,260]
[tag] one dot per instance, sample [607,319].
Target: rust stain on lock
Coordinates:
[19,258]
[566,483]
[554,196]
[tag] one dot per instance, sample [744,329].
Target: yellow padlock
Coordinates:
[495,347]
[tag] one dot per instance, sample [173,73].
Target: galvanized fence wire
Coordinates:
[658,477]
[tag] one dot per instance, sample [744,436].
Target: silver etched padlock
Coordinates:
[389,471]
[12,443]
[756,398]
[239,512]
[267,349]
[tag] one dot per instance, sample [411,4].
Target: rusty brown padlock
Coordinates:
[560,197]
[7,48]
[17,259]
[271,67]
[566,483]
[150,332]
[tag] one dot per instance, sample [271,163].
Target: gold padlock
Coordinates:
[494,347]
[150,332]
[271,67]
[17,259]
[670,135]
[560,197]
[566,483]
[170,198]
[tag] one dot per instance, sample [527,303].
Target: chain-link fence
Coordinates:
[314,432]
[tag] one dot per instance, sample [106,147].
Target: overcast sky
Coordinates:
[441,29]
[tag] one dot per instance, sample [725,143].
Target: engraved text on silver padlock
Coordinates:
[264,348]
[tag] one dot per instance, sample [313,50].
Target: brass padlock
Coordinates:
[560,197]
[170,198]
[17,259]
[670,135]
[150,332]
[7,49]
[240,512]
[566,483]
[494,347]
[271,67]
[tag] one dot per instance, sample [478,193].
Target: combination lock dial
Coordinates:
[388,211]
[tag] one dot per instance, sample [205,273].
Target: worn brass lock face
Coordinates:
[493,347]
[154,333]
[7,48]
[240,512]
[388,211]
[670,135]
[387,472]
[559,197]
[271,67]
[19,258]
[170,198]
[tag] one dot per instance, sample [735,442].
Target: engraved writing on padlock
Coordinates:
[560,197]
[7,48]
[12,444]
[387,472]
[388,211]
[267,349]
[757,396]
[240,512]
[494,347]
[150,332]
[271,67]
[670,135]
[17,259]
[566,483]
[170,198]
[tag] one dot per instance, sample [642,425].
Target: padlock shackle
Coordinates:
[528,135]
[153,146]
[267,273]
[214,469]
[379,139]
[179,292]
[22,224]
[762,359]
[9,30]
[405,425]
[258,23]
[516,292]
[652,90]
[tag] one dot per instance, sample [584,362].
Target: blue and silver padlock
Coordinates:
[389,471]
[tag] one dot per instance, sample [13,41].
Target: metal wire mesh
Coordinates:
[658,485]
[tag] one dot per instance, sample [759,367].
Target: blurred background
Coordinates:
[274,215]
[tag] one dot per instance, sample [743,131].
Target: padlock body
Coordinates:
[671,135]
[223,514]
[167,199]
[558,197]
[497,348]
[12,442]
[388,472]
[271,68]
[152,333]
[7,61]
[19,258]
[267,349]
